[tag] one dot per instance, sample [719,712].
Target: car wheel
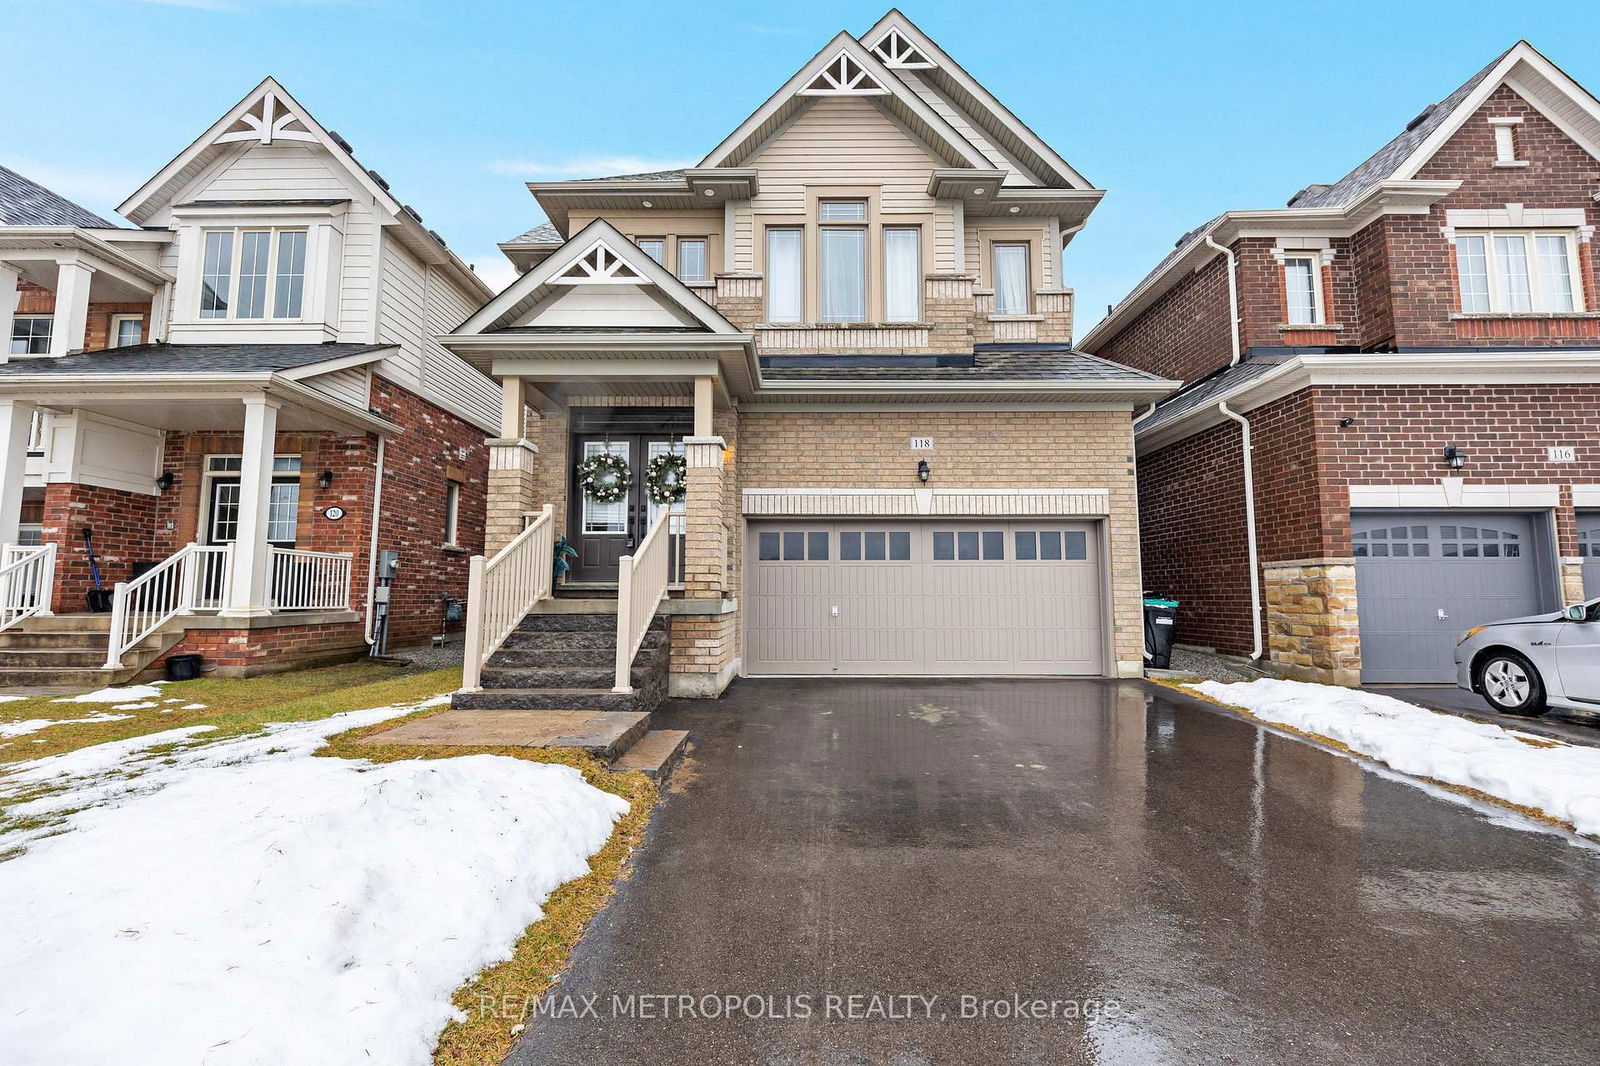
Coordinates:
[1511,684]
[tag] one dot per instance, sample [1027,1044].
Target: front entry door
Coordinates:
[283,506]
[604,532]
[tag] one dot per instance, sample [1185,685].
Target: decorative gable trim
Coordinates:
[844,76]
[266,121]
[599,266]
[899,53]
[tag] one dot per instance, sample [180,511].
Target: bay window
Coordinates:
[1011,278]
[785,275]
[1518,271]
[1302,281]
[902,274]
[246,272]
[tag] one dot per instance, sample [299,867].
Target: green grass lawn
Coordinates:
[234,707]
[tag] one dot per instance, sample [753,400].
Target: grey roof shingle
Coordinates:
[192,358]
[648,175]
[543,233]
[985,364]
[1207,389]
[27,203]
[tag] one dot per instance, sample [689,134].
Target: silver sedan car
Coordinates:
[1525,666]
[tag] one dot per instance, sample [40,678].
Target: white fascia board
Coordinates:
[647,342]
[646,369]
[1467,367]
[329,366]
[1387,198]
[1145,391]
[111,258]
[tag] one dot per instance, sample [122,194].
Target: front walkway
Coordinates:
[1242,896]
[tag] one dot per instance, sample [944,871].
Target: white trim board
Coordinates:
[1453,493]
[926,503]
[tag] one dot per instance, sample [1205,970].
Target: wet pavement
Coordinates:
[1575,727]
[1209,891]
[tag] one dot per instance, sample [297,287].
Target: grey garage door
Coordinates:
[1589,550]
[952,598]
[1421,579]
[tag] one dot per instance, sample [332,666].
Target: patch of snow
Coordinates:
[144,705]
[1562,782]
[348,896]
[192,707]
[113,695]
[33,725]
[11,699]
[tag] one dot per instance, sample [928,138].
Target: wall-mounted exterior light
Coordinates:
[325,479]
[924,471]
[165,481]
[1454,456]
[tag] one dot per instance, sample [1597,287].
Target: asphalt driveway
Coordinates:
[1173,883]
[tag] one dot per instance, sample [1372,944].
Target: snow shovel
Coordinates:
[99,599]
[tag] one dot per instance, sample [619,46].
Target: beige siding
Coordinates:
[1016,174]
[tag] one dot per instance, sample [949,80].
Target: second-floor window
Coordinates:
[30,335]
[785,275]
[1302,282]
[126,330]
[842,263]
[902,274]
[247,273]
[691,259]
[1518,271]
[1011,278]
[654,247]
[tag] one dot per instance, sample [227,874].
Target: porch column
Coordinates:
[16,418]
[513,459]
[72,307]
[9,297]
[249,591]
[705,567]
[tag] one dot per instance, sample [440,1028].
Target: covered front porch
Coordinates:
[221,512]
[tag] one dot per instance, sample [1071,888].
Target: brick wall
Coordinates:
[1183,335]
[124,528]
[97,332]
[241,652]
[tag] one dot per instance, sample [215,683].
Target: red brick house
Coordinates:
[1388,428]
[240,403]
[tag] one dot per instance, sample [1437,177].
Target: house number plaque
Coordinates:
[922,444]
[334,513]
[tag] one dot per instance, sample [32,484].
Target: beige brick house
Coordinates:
[851,321]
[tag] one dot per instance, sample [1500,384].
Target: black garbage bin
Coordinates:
[1160,623]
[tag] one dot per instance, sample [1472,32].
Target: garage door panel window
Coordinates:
[969,545]
[1051,545]
[1393,542]
[875,546]
[1478,542]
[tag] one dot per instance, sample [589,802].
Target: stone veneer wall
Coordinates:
[1312,628]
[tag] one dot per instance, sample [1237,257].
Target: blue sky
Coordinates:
[1179,110]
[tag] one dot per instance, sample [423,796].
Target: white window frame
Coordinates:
[799,279]
[1027,277]
[916,273]
[284,467]
[705,260]
[1497,300]
[452,513]
[269,305]
[11,341]
[660,243]
[114,332]
[1319,315]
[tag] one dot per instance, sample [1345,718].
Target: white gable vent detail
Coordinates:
[896,51]
[266,122]
[599,266]
[844,76]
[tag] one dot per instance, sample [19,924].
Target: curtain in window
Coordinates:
[1300,281]
[902,275]
[1511,263]
[844,275]
[1472,265]
[692,260]
[784,266]
[1011,279]
[1555,274]
[290,288]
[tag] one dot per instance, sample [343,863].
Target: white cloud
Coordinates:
[594,166]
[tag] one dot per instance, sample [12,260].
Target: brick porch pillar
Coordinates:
[705,631]
[510,491]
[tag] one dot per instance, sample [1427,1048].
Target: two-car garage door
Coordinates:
[896,597]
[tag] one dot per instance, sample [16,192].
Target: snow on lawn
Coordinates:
[113,695]
[253,904]
[33,725]
[1561,781]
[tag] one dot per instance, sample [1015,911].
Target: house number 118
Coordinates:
[922,444]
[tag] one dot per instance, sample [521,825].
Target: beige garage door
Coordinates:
[995,597]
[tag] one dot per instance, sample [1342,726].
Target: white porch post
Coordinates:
[512,402]
[16,418]
[9,297]
[72,307]
[248,593]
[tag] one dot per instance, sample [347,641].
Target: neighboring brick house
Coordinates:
[1416,351]
[243,401]
[850,319]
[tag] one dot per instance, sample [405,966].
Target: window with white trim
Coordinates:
[1518,271]
[251,273]
[691,259]
[902,274]
[126,330]
[452,512]
[785,274]
[1011,278]
[654,247]
[1302,283]
[30,334]
[842,260]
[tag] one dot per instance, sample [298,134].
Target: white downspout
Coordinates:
[1250,526]
[372,543]
[1233,295]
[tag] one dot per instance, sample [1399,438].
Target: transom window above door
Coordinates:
[1518,271]
[250,274]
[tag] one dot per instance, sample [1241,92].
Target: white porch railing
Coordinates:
[504,588]
[310,581]
[27,576]
[195,578]
[641,586]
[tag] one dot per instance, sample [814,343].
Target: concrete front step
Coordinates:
[54,657]
[548,699]
[12,677]
[67,623]
[655,754]
[607,734]
[560,676]
[578,638]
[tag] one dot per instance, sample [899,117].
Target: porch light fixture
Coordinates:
[924,471]
[1346,422]
[1454,457]
[164,482]
[647,203]
[325,479]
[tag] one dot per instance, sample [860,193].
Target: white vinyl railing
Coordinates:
[27,576]
[641,586]
[503,589]
[310,581]
[195,578]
